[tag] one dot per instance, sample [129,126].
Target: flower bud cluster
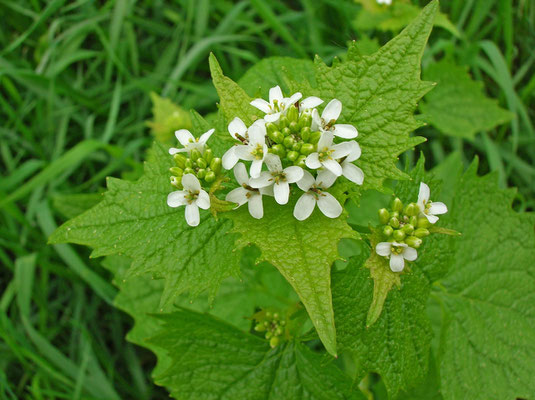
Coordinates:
[271,325]
[404,228]
[205,166]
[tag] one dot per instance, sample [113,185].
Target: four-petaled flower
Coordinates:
[397,252]
[327,121]
[309,103]
[386,2]
[277,103]
[277,177]
[328,153]
[350,170]
[190,142]
[193,197]
[429,209]
[247,194]
[255,150]
[238,131]
[315,193]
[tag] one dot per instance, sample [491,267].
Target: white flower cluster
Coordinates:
[406,227]
[291,144]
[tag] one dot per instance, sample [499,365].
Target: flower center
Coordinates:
[325,154]
[397,250]
[258,152]
[192,196]
[279,176]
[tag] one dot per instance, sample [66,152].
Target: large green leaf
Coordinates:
[213,360]
[303,252]
[487,344]
[458,106]
[134,220]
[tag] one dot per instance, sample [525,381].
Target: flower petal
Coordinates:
[191,183]
[240,172]
[312,161]
[294,98]
[184,137]
[325,179]
[203,201]
[316,121]
[345,131]
[192,214]
[243,152]
[310,102]
[423,194]
[174,150]
[355,152]
[431,218]
[332,166]
[342,149]
[281,190]
[383,249]
[230,158]
[397,263]
[329,206]
[332,110]
[326,141]
[437,208]
[272,117]
[410,254]
[256,168]
[177,198]
[293,173]
[261,104]
[257,135]
[205,136]
[237,126]
[304,206]
[306,182]
[266,190]
[352,172]
[238,196]
[275,93]
[256,208]
[273,162]
[263,180]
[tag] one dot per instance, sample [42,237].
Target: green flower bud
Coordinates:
[408,229]
[307,148]
[286,131]
[397,205]
[276,136]
[297,146]
[283,121]
[176,171]
[201,173]
[394,222]
[279,150]
[292,114]
[189,163]
[269,314]
[421,232]
[387,231]
[260,328]
[300,162]
[384,215]
[292,155]
[305,133]
[215,165]
[294,127]
[210,177]
[271,127]
[188,170]
[201,162]
[278,332]
[288,142]
[274,342]
[305,121]
[195,154]
[283,323]
[180,160]
[268,335]
[413,241]
[423,223]
[413,220]
[394,214]
[208,155]
[399,235]
[314,137]
[411,210]
[276,316]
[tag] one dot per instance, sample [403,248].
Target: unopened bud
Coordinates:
[307,148]
[188,170]
[399,235]
[176,171]
[413,241]
[208,155]
[294,127]
[189,163]
[283,121]
[215,165]
[411,209]
[394,222]
[297,146]
[408,229]
[301,161]
[210,177]
[260,328]
[268,335]
[286,131]
[305,133]
[180,160]
[388,230]
[271,127]
[314,137]
[292,114]
[274,342]
[201,162]
[279,150]
[423,223]
[201,173]
[413,220]
[397,205]
[276,136]
[384,215]
[421,232]
[292,155]
[288,142]
[195,154]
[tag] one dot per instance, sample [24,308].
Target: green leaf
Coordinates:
[488,297]
[134,220]
[71,205]
[458,106]
[213,360]
[379,94]
[302,251]
[167,118]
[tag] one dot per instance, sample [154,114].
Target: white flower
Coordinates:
[429,209]
[387,2]
[192,197]
[327,122]
[255,150]
[309,103]
[190,142]
[397,252]
[277,177]
[277,103]
[328,153]
[238,131]
[350,170]
[247,194]
[315,194]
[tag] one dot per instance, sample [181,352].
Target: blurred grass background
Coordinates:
[75,78]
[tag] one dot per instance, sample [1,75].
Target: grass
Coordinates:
[74,84]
